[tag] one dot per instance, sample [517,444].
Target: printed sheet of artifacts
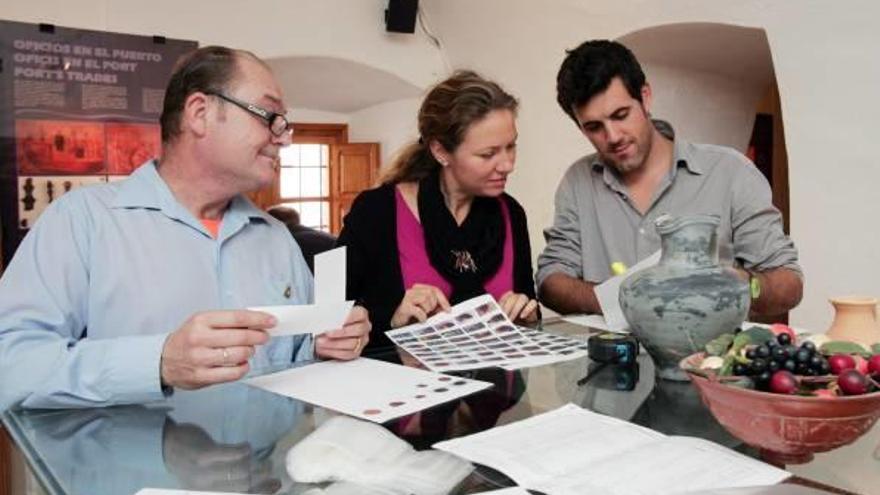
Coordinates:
[477,334]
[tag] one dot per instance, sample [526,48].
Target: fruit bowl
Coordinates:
[787,429]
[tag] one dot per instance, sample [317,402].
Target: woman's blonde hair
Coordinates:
[447,112]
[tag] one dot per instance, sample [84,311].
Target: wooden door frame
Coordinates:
[320,133]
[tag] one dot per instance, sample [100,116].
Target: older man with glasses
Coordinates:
[123,292]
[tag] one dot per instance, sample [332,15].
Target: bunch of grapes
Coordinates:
[780,354]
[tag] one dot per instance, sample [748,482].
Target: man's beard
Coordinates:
[637,160]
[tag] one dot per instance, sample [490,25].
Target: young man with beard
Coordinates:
[607,202]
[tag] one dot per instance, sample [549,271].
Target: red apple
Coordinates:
[778,328]
[851,382]
[783,382]
[874,364]
[841,362]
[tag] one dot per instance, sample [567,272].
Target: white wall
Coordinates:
[392,124]
[704,107]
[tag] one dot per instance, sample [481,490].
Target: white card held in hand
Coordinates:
[330,308]
[310,318]
[330,276]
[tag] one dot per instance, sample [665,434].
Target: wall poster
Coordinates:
[77,107]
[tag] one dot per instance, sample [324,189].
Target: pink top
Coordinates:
[415,264]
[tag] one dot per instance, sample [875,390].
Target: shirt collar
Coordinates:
[681,157]
[145,188]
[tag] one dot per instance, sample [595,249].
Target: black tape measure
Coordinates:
[613,348]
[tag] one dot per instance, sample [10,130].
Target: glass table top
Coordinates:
[235,438]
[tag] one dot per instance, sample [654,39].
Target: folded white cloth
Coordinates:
[367,458]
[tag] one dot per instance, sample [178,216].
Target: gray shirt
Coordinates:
[596,223]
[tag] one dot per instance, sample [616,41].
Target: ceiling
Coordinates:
[337,85]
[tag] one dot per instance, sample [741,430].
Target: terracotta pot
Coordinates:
[855,320]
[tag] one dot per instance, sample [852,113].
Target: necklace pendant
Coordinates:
[464,262]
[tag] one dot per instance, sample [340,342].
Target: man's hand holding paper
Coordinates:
[213,347]
[346,343]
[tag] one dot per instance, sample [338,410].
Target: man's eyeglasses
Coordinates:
[277,123]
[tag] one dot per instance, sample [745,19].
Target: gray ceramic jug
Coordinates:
[687,299]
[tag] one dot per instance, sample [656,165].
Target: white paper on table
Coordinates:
[166,491]
[783,489]
[572,450]
[330,276]
[307,318]
[368,389]
[676,464]
[608,293]
[592,321]
[514,490]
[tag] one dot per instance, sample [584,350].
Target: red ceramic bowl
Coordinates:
[787,429]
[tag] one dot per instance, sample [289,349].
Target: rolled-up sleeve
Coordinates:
[759,241]
[562,253]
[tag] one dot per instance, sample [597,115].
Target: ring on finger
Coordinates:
[225,356]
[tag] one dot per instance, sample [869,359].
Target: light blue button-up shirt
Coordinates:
[109,271]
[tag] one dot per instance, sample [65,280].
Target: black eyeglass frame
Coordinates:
[273,120]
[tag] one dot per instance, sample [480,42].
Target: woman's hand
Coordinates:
[420,302]
[518,307]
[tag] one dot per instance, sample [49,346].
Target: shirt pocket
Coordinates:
[280,291]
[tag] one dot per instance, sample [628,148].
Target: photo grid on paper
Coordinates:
[477,334]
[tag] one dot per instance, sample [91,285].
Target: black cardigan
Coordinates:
[374,277]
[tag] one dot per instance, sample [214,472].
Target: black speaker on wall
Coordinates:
[400,16]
